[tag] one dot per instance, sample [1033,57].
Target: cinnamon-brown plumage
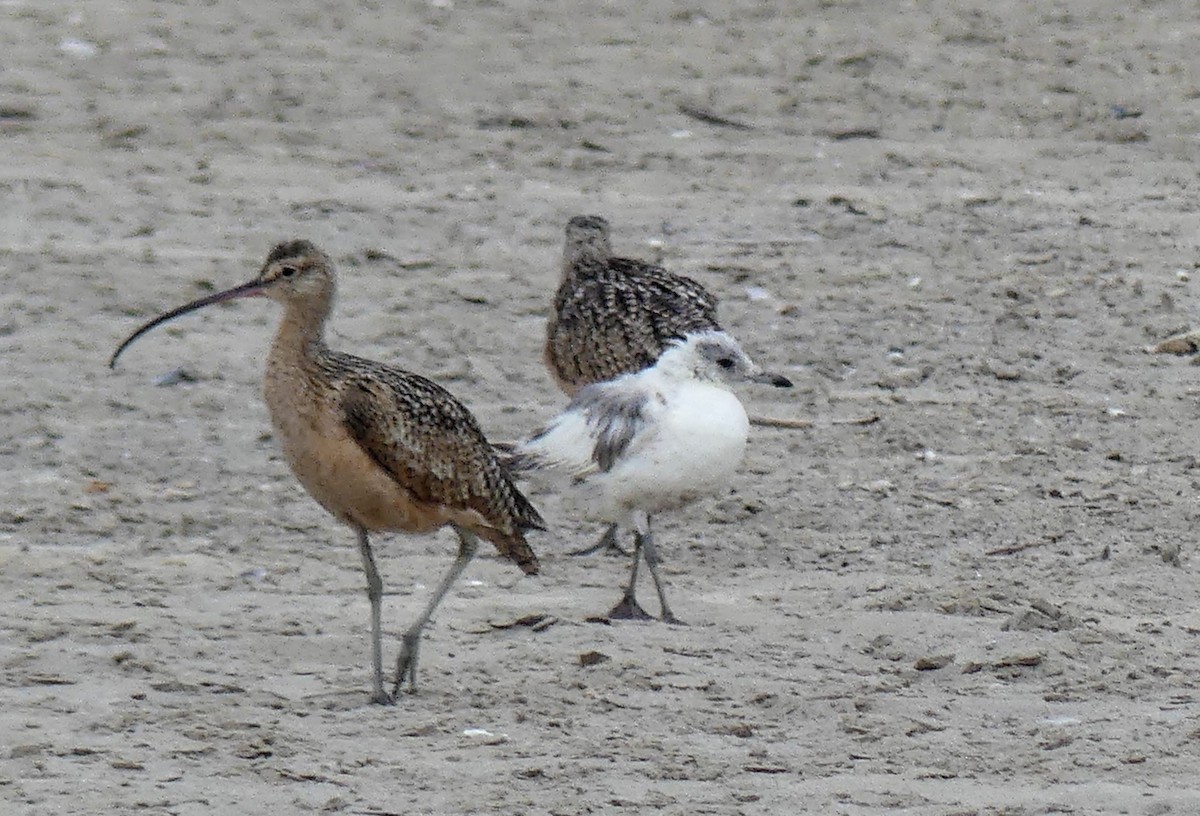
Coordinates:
[380,448]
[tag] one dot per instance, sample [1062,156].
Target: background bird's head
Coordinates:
[587,240]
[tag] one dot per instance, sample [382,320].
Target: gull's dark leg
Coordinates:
[653,559]
[607,542]
[628,608]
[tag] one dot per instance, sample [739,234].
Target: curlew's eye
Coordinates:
[725,363]
[287,271]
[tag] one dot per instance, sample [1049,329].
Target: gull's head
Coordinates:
[716,357]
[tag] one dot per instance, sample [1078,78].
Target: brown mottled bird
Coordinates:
[380,448]
[615,316]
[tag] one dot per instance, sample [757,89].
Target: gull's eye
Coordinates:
[287,271]
[725,363]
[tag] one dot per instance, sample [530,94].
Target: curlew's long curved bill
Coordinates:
[249,289]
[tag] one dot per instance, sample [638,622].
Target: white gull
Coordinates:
[651,441]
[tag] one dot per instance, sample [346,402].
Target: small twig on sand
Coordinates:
[708,117]
[509,446]
[781,422]
[784,422]
[1013,549]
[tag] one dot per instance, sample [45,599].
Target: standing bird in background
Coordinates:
[381,449]
[615,316]
[654,440]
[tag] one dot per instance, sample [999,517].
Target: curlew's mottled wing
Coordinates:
[618,320]
[431,444]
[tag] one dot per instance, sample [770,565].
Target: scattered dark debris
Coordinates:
[1056,742]
[1122,112]
[932,662]
[122,138]
[1184,343]
[1019,660]
[593,658]
[48,680]
[1168,551]
[126,765]
[514,121]
[1013,549]
[175,377]
[1040,615]
[741,731]
[537,622]
[1122,136]
[504,121]
[10,112]
[708,117]
[842,201]
[923,727]
[1002,372]
[848,133]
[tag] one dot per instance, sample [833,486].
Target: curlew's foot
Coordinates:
[406,664]
[381,697]
[629,609]
[669,617]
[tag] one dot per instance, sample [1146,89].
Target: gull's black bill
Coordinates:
[777,380]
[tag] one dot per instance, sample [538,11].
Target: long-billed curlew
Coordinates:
[380,448]
[654,440]
[615,316]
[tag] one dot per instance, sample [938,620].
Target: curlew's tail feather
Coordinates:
[515,548]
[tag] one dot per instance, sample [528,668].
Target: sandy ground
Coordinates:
[967,218]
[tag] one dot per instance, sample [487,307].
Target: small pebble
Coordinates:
[174,377]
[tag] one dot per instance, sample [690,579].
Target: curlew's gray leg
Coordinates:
[646,543]
[375,596]
[406,663]
[608,542]
[628,608]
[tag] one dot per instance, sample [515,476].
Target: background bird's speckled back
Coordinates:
[965,217]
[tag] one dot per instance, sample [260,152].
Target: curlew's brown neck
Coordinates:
[300,338]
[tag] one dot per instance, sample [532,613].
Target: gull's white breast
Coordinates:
[691,448]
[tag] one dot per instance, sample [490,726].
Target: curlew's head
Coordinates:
[715,356]
[587,240]
[296,273]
